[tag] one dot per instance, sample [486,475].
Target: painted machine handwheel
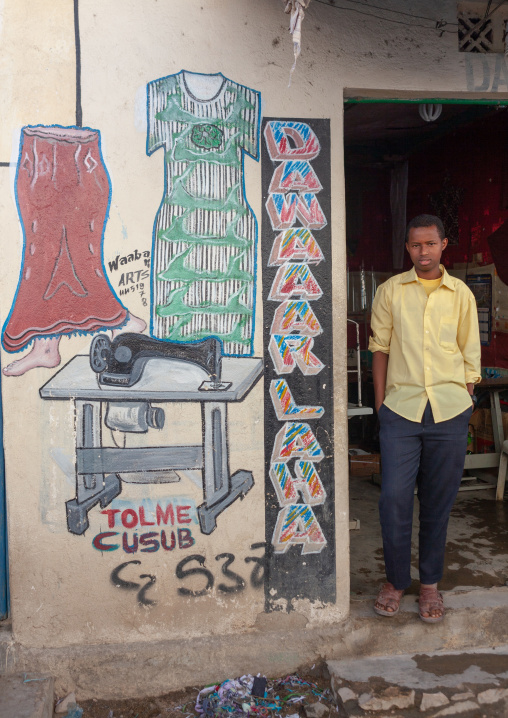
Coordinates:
[100,353]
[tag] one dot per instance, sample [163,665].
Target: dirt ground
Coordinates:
[182,703]
[171,705]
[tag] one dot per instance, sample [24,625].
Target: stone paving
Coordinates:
[466,684]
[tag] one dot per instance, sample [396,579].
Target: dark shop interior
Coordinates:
[448,159]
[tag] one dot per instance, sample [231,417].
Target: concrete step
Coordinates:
[474,618]
[26,695]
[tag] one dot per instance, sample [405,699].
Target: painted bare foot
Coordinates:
[133,324]
[44,353]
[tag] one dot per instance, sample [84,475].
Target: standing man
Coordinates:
[426,361]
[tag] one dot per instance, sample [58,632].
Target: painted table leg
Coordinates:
[92,488]
[219,488]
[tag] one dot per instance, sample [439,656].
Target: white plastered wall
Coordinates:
[61,592]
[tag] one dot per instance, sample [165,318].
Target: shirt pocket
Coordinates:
[447,336]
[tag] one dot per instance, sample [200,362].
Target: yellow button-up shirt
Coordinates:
[433,342]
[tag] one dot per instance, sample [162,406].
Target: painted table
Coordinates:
[99,468]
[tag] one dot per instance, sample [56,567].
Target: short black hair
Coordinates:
[426,220]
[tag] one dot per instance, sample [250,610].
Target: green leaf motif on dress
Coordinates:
[182,197]
[176,232]
[178,271]
[176,307]
[235,336]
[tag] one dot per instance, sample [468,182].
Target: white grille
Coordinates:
[481,26]
[475,34]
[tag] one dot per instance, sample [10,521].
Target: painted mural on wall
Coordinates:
[115,388]
[203,285]
[148,526]
[298,361]
[203,257]
[63,195]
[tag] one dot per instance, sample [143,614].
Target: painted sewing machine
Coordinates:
[121,362]
[116,384]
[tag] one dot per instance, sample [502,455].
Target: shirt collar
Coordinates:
[446,279]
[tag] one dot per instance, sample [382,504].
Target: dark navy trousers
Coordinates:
[431,456]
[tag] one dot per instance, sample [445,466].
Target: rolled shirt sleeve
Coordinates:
[381,322]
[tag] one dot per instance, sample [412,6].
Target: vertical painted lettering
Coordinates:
[298,341]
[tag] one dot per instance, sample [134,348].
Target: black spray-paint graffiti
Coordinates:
[187,568]
[119,582]
[237,584]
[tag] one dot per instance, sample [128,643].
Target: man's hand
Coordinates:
[470,388]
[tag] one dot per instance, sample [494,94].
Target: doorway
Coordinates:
[447,158]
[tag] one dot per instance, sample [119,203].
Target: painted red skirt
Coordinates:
[63,195]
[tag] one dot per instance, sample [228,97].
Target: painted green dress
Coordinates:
[203,258]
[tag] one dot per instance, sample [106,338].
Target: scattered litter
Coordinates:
[259,686]
[259,697]
[27,679]
[74,711]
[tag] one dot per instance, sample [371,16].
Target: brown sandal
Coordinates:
[430,599]
[388,596]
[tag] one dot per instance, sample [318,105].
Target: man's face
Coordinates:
[425,248]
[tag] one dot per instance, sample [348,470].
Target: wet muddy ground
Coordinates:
[477,547]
